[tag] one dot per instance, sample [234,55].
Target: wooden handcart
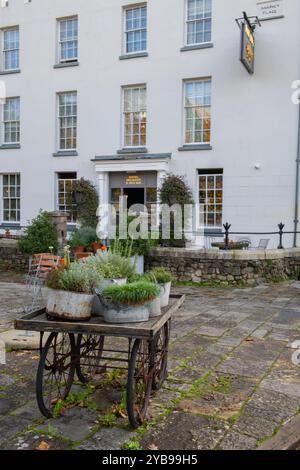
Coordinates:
[80,348]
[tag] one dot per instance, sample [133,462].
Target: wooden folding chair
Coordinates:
[39,267]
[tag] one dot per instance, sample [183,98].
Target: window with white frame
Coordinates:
[11,121]
[197,111]
[11,188]
[198,22]
[65,184]
[67,119]
[11,49]
[68,39]
[211,198]
[135,29]
[135,116]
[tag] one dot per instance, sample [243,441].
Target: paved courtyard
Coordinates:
[232,383]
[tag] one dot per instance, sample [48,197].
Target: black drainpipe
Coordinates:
[296,221]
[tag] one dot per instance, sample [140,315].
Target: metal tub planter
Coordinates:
[129,303]
[69,305]
[97,308]
[114,313]
[165,294]
[155,307]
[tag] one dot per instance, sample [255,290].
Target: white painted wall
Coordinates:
[253,118]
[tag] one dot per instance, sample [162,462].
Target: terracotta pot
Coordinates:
[83,255]
[61,262]
[96,246]
[79,249]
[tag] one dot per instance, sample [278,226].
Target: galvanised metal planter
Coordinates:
[113,313]
[155,308]
[138,262]
[69,305]
[165,294]
[97,308]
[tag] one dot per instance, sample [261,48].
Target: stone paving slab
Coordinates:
[231,379]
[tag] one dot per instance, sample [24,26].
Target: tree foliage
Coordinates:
[40,236]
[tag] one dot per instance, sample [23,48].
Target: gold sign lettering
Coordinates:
[133,180]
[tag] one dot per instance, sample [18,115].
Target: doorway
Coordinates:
[134,196]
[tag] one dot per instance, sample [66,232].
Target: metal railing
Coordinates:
[227,233]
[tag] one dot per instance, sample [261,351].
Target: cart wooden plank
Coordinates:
[38,321]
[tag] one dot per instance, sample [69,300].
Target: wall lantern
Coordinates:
[77,197]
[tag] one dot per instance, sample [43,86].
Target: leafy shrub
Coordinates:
[79,278]
[84,236]
[161,275]
[137,293]
[39,236]
[174,190]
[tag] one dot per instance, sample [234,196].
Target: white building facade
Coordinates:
[122,93]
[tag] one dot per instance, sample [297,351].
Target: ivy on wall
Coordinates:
[87,203]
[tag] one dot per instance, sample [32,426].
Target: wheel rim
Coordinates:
[56,371]
[160,357]
[139,384]
[90,349]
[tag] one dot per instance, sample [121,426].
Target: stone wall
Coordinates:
[10,257]
[232,267]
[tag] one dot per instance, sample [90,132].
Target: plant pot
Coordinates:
[114,313]
[83,255]
[96,246]
[165,294]
[97,308]
[155,308]
[69,305]
[78,249]
[138,261]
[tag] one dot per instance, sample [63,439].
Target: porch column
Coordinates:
[160,177]
[103,183]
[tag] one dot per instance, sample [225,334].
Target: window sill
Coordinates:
[10,146]
[65,65]
[66,153]
[189,148]
[195,47]
[10,72]
[133,56]
[9,226]
[127,151]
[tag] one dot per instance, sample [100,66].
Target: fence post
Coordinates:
[281,227]
[226,228]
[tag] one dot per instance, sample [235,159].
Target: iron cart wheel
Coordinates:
[159,356]
[55,371]
[89,353]
[139,382]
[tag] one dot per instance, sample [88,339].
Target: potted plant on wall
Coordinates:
[128,303]
[71,292]
[82,239]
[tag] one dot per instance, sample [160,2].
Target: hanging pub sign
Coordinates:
[247,46]
[247,26]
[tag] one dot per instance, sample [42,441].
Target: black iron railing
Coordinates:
[227,233]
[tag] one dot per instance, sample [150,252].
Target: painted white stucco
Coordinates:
[253,118]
